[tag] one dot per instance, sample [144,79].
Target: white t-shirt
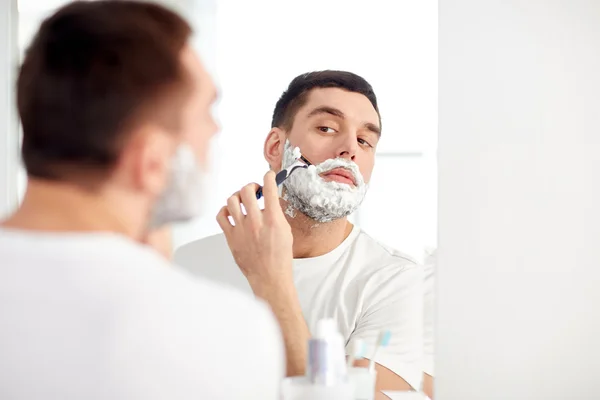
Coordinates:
[365,286]
[97,316]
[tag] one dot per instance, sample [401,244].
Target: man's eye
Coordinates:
[326,129]
[364,142]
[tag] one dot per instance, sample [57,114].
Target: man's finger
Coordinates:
[223,220]
[270,192]
[248,195]
[234,208]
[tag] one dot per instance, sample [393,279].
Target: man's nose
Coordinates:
[348,146]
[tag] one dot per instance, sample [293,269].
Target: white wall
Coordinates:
[519,200]
[8,119]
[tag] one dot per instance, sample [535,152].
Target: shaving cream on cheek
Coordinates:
[322,200]
[296,153]
[290,154]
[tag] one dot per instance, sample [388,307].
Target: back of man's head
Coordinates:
[94,71]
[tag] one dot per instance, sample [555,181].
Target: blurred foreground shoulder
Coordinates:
[202,337]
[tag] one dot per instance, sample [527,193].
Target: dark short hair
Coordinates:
[298,90]
[93,72]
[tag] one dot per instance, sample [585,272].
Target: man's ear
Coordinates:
[147,158]
[274,145]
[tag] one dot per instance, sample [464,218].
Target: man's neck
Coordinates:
[313,239]
[61,207]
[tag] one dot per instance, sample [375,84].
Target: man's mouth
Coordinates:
[340,175]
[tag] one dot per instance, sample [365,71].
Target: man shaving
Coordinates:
[336,270]
[115,108]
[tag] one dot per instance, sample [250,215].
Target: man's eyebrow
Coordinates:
[326,110]
[373,128]
[338,113]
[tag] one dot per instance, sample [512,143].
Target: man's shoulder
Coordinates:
[215,298]
[380,254]
[373,265]
[184,296]
[203,322]
[162,276]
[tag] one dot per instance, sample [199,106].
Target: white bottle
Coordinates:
[326,373]
[326,357]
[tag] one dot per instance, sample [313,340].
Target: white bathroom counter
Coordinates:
[401,395]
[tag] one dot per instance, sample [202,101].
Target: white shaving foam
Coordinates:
[290,211]
[296,153]
[321,200]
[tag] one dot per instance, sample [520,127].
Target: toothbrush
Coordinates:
[301,162]
[382,341]
[357,351]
